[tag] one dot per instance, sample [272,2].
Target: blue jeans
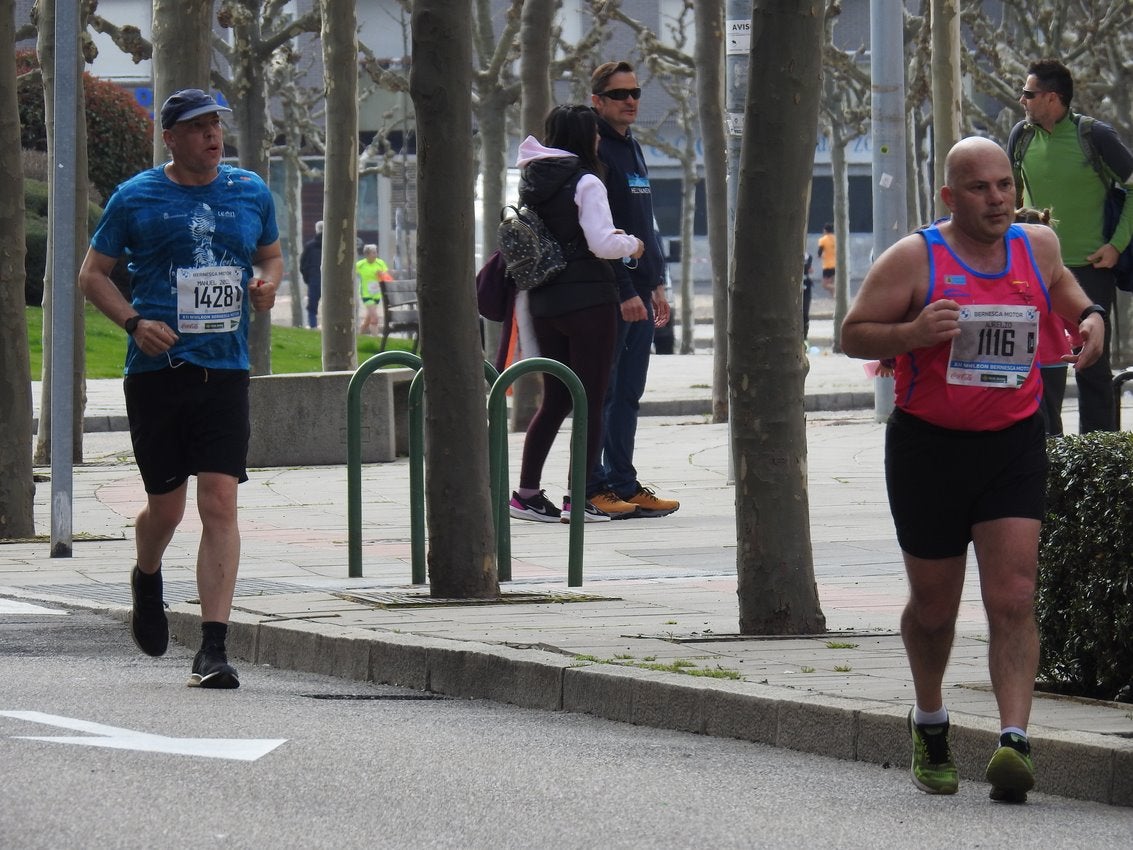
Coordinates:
[615,470]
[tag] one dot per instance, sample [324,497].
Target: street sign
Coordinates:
[112,737]
[739,36]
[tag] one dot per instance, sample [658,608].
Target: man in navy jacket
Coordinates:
[614,487]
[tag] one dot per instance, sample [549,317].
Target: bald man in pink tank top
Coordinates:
[960,306]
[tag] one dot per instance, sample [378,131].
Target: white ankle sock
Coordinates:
[930,718]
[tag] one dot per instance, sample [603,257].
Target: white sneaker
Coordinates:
[592,513]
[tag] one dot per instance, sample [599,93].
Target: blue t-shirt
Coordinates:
[205,236]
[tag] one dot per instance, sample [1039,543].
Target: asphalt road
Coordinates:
[308,761]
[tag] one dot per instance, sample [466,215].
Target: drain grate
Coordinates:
[364,697]
[424,600]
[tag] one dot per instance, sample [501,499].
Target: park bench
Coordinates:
[399,310]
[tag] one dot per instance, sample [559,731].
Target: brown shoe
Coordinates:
[613,506]
[649,505]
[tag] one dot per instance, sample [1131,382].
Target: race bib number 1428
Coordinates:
[209,300]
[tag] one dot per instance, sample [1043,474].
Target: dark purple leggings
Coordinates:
[584,341]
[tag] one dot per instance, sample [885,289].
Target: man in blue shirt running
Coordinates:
[203,250]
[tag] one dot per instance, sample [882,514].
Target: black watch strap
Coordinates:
[1093,308]
[131,324]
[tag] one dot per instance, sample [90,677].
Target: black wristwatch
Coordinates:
[131,324]
[1089,311]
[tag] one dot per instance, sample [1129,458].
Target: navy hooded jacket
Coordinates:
[631,203]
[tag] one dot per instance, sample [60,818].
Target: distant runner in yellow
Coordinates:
[827,251]
[371,269]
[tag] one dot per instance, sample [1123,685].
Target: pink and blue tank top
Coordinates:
[987,378]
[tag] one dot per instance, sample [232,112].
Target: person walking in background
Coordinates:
[203,247]
[1048,152]
[828,256]
[574,315]
[614,486]
[311,268]
[959,305]
[371,271]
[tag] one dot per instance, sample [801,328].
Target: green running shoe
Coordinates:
[1011,771]
[933,770]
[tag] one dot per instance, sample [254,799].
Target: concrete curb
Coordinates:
[1078,765]
[662,407]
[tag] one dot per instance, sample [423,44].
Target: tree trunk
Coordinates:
[45,49]
[777,593]
[946,90]
[292,200]
[491,120]
[248,88]
[340,190]
[182,54]
[839,174]
[17,488]
[688,217]
[462,557]
[710,101]
[536,102]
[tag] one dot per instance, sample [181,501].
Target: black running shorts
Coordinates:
[941,482]
[188,420]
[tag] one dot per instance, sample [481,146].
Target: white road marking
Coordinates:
[112,737]
[11,606]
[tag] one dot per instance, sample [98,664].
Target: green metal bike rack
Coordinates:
[416,459]
[354,447]
[497,443]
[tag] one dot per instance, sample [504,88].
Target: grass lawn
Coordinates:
[292,349]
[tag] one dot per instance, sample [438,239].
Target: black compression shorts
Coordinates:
[941,482]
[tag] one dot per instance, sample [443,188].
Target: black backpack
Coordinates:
[533,256]
[1115,195]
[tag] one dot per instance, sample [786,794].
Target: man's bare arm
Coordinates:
[887,318]
[267,268]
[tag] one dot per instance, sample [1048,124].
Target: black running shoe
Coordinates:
[148,625]
[212,670]
[537,508]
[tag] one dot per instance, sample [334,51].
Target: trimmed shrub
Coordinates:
[35,237]
[1084,602]
[119,130]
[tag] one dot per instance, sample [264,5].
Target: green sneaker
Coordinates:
[933,770]
[1011,771]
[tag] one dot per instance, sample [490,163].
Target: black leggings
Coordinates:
[584,341]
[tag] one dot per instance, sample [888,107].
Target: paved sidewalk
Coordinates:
[658,593]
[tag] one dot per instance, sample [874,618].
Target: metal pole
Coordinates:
[887,117]
[63,181]
[737,34]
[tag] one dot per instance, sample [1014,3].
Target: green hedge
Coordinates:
[1084,604]
[35,237]
[119,131]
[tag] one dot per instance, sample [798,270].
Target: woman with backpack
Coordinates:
[574,314]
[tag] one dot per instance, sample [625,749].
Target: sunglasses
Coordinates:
[1031,95]
[621,94]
